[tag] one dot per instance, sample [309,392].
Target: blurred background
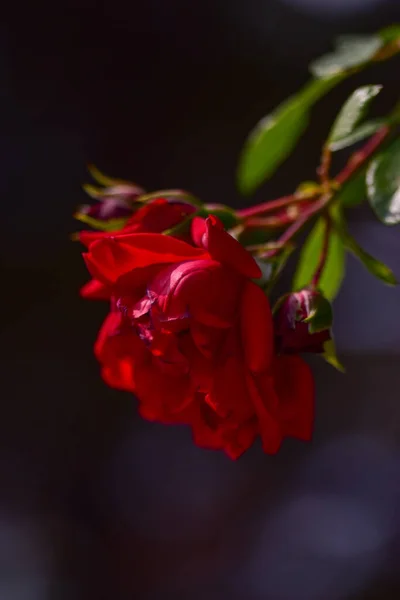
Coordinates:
[94,502]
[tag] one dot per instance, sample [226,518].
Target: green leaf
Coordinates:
[93,191]
[360,133]
[105,180]
[330,355]
[390,34]
[321,315]
[351,113]
[110,225]
[275,136]
[334,268]
[383,184]
[176,195]
[353,192]
[373,265]
[351,51]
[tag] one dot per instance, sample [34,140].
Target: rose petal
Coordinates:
[118,353]
[224,248]
[111,257]
[89,237]
[95,290]
[270,429]
[203,290]
[256,328]
[198,229]
[295,387]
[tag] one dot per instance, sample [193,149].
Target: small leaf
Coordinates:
[110,225]
[330,355]
[373,265]
[351,113]
[104,180]
[383,184]
[357,135]
[321,316]
[173,195]
[308,189]
[275,136]
[334,268]
[351,51]
[353,192]
[93,191]
[390,34]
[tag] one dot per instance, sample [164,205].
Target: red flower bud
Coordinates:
[113,203]
[293,330]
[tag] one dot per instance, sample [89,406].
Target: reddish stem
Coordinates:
[323,170]
[359,158]
[268,206]
[324,253]
[297,225]
[354,163]
[271,222]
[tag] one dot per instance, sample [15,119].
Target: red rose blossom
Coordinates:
[154,217]
[191,335]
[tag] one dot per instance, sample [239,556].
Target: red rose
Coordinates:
[154,217]
[191,335]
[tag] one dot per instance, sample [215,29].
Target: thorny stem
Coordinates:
[324,252]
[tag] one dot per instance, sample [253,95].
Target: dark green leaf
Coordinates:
[357,135]
[383,184]
[353,192]
[321,316]
[390,34]
[351,113]
[351,51]
[373,265]
[334,268]
[275,136]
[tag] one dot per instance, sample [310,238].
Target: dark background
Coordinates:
[94,502]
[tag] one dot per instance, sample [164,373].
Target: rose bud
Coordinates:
[114,202]
[302,322]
